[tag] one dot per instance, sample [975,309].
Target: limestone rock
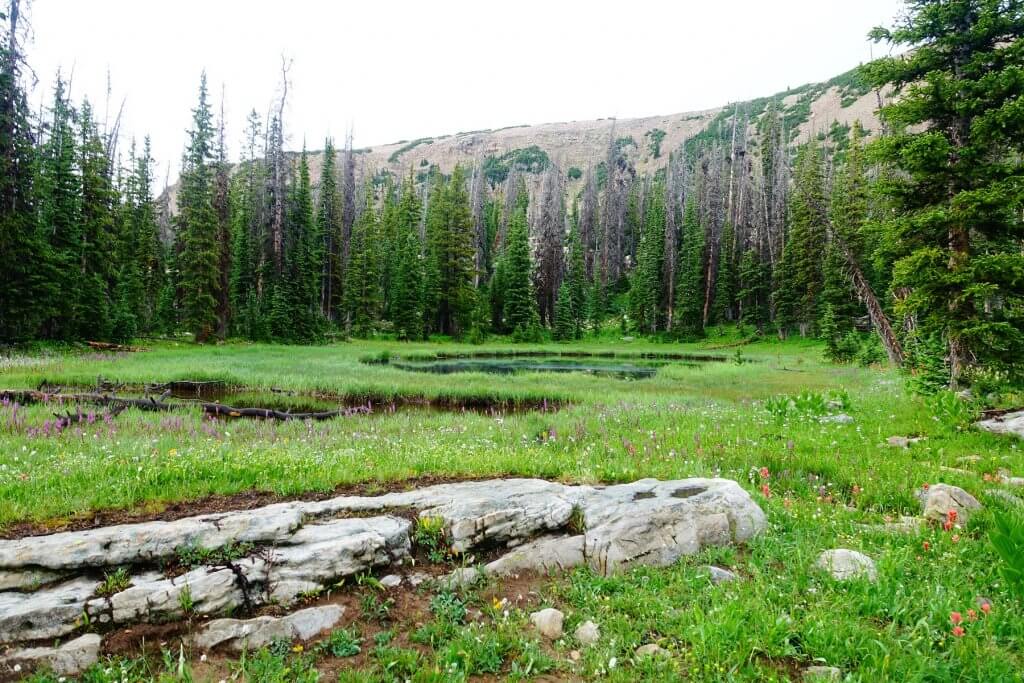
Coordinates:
[822,673]
[904,525]
[939,499]
[1011,423]
[651,650]
[720,575]
[237,635]
[1005,496]
[149,541]
[839,419]
[845,564]
[544,555]
[462,578]
[391,581]
[587,633]
[548,622]
[69,659]
[48,613]
[27,579]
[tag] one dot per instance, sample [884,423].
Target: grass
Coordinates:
[820,484]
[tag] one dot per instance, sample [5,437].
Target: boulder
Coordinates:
[845,565]
[548,554]
[938,499]
[587,633]
[1010,423]
[236,635]
[391,581]
[69,659]
[719,575]
[47,613]
[548,622]
[651,650]
[839,419]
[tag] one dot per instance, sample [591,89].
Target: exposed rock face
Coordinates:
[1011,423]
[70,658]
[237,635]
[939,499]
[845,564]
[303,547]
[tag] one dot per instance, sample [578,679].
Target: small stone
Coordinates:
[822,673]
[574,655]
[240,634]
[939,499]
[902,441]
[845,564]
[416,578]
[70,658]
[462,578]
[840,419]
[587,633]
[651,650]
[719,575]
[548,622]
[391,581]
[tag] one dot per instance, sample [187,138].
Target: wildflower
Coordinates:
[764,473]
[787,503]
[955,538]
[956,617]
[972,615]
[766,491]
[986,607]
[924,486]
[958,631]
[951,515]
[927,546]
[856,490]
[297,648]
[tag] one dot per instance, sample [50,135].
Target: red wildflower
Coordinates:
[765,473]
[856,490]
[956,617]
[924,486]
[958,631]
[927,546]
[986,607]
[972,615]
[947,525]
[766,491]
[951,515]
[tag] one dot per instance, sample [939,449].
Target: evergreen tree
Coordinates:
[408,276]
[689,312]
[725,279]
[576,281]
[957,133]
[645,294]
[197,225]
[754,290]
[328,218]
[451,255]
[800,279]
[519,312]
[565,327]
[363,297]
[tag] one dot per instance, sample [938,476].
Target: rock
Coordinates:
[839,419]
[587,633]
[237,635]
[548,622]
[845,564]
[651,650]
[1010,423]
[902,441]
[48,613]
[822,673]
[27,579]
[69,659]
[574,655]
[391,581]
[462,578]
[149,541]
[302,547]
[905,525]
[544,555]
[416,578]
[719,575]
[1005,496]
[939,499]
[957,470]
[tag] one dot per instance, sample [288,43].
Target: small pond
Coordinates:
[620,368]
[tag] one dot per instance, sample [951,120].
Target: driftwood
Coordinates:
[158,404]
[69,418]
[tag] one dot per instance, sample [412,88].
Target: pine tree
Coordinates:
[197,225]
[565,327]
[576,281]
[754,290]
[451,256]
[689,311]
[408,276]
[800,279]
[645,294]
[363,298]
[328,218]
[519,312]
[725,279]
[956,140]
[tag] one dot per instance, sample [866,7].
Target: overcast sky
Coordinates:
[402,69]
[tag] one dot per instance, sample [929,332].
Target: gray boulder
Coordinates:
[844,565]
[939,499]
[236,635]
[69,659]
[1011,423]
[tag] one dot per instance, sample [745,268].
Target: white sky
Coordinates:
[395,69]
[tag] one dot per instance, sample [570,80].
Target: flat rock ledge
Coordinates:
[1010,423]
[51,585]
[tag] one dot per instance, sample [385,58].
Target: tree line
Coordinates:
[909,245]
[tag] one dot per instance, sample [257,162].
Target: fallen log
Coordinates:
[108,346]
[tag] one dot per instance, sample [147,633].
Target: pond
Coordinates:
[620,368]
